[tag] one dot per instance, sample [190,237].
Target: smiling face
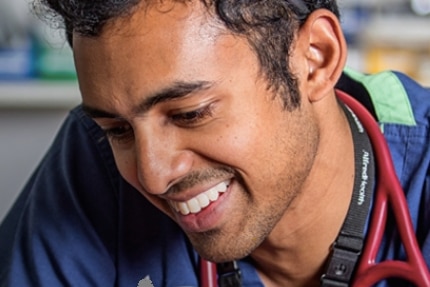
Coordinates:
[193,126]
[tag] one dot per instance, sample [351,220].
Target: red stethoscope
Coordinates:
[389,191]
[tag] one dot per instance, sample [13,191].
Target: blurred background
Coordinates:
[38,82]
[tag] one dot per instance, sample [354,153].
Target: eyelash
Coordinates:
[191,118]
[124,133]
[120,133]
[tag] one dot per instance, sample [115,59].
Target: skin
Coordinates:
[285,169]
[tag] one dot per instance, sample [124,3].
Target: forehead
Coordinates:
[154,47]
[158,20]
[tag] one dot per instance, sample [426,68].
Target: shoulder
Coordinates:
[394,97]
[401,106]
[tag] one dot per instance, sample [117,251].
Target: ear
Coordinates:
[322,49]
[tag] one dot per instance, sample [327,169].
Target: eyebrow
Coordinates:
[175,91]
[96,113]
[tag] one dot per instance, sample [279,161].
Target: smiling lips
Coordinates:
[197,203]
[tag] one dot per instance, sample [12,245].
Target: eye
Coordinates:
[192,118]
[119,134]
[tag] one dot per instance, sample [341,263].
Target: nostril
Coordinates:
[156,175]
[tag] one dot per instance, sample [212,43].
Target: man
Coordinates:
[225,117]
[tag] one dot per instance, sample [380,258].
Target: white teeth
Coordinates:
[222,187]
[203,200]
[183,208]
[193,205]
[212,194]
[196,204]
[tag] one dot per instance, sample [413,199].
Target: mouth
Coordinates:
[201,201]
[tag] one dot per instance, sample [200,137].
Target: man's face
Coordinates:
[193,126]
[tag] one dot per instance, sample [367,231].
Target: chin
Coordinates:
[218,250]
[222,255]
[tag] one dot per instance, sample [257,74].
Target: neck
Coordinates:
[295,252]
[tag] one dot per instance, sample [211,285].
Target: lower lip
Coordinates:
[208,218]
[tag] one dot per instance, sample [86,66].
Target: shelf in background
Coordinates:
[39,94]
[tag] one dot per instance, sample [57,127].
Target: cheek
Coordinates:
[126,164]
[236,144]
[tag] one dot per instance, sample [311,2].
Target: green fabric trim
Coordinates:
[388,96]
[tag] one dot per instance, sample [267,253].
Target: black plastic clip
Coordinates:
[229,274]
[341,267]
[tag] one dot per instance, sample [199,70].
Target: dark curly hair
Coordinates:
[269,26]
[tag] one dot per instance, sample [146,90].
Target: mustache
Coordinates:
[199,177]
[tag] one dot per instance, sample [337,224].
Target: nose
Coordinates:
[161,159]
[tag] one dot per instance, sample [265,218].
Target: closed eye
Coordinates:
[119,134]
[192,118]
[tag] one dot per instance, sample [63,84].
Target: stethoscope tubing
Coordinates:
[389,190]
[208,273]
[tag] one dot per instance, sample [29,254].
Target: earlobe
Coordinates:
[324,47]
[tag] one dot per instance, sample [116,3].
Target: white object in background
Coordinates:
[421,7]
[14,23]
